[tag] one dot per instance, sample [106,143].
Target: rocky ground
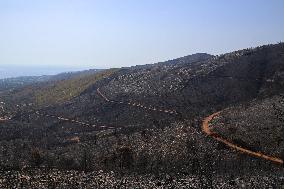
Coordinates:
[39,179]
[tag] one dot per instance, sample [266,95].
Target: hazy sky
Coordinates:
[115,33]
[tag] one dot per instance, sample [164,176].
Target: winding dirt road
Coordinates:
[75,121]
[139,105]
[205,127]
[207,131]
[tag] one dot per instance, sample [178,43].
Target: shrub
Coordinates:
[36,157]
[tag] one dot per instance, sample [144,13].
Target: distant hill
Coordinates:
[17,82]
[33,89]
[12,83]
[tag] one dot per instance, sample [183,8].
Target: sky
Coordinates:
[81,34]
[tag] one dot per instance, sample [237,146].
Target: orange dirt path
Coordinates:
[207,131]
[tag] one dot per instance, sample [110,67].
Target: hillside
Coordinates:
[44,90]
[257,125]
[64,90]
[147,120]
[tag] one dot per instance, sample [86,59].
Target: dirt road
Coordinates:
[206,129]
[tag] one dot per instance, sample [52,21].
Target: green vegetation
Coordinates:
[65,90]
